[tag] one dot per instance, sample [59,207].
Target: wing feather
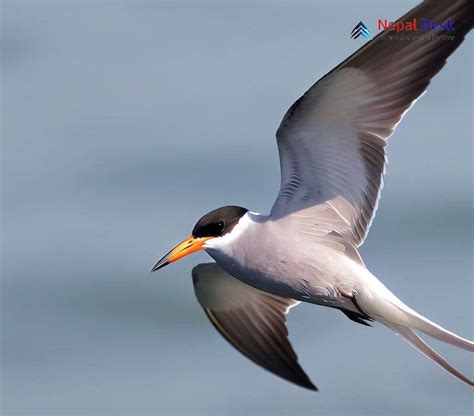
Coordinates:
[252,321]
[332,140]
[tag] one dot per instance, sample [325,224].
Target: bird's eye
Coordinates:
[220,226]
[213,229]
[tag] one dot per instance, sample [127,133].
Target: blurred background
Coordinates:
[122,123]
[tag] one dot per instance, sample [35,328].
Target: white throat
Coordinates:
[221,243]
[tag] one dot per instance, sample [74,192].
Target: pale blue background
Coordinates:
[123,122]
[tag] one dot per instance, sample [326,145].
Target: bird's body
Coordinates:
[324,270]
[302,266]
[332,146]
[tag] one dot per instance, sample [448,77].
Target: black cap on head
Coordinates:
[219,221]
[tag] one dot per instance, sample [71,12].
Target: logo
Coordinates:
[410,29]
[361,30]
[414,25]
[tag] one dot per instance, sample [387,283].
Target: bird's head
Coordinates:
[214,224]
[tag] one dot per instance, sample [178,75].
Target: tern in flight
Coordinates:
[331,144]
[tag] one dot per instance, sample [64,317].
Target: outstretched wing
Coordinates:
[252,321]
[332,140]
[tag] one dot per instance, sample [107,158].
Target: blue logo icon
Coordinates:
[361,30]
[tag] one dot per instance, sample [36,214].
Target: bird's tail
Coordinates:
[405,321]
[415,341]
[438,332]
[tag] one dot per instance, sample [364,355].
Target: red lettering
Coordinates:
[382,24]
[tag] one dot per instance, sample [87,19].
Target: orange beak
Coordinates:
[188,246]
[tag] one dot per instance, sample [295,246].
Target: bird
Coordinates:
[332,147]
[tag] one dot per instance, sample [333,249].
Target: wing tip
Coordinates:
[301,379]
[310,386]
